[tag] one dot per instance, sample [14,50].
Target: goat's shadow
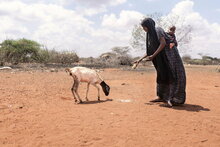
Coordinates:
[87,102]
[187,107]
[95,102]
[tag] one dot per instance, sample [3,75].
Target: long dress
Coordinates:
[175,89]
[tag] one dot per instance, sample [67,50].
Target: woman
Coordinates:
[171,79]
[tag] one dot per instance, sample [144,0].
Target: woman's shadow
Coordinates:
[188,107]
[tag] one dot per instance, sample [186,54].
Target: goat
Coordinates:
[83,74]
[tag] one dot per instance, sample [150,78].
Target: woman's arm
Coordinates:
[139,60]
[159,49]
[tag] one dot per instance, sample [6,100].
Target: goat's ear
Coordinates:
[67,70]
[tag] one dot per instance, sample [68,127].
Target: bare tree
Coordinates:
[121,50]
[183,31]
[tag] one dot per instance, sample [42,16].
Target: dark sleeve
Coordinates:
[160,33]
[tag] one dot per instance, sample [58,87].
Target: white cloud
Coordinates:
[56,27]
[205,35]
[89,8]
[121,27]
[83,7]
[100,3]
[151,0]
[90,11]
[50,24]
[183,8]
[125,21]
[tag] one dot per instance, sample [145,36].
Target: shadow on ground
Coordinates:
[87,102]
[95,102]
[187,107]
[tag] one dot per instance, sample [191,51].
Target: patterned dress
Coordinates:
[174,90]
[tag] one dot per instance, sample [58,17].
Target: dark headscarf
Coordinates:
[164,73]
[152,42]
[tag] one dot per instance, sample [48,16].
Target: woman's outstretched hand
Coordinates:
[135,63]
[150,58]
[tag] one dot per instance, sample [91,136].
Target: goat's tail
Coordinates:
[68,71]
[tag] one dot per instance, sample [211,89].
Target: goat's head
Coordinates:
[68,71]
[105,88]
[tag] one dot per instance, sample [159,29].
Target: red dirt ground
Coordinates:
[37,109]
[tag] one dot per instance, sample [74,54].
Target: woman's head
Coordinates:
[148,24]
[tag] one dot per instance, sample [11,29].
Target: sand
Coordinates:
[37,109]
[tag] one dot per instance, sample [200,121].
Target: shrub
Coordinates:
[26,51]
[63,57]
[118,56]
[16,51]
[186,58]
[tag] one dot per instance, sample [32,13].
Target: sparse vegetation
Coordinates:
[63,57]
[28,51]
[119,56]
[206,60]
[19,51]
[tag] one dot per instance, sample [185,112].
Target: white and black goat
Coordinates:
[83,74]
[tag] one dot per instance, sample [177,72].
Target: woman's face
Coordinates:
[145,29]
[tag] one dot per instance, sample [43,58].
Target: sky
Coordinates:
[93,27]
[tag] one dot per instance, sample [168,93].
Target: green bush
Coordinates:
[28,51]
[16,51]
[43,56]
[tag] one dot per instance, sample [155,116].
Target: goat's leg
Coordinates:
[87,91]
[98,91]
[73,92]
[76,91]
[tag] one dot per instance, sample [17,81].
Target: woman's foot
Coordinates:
[175,102]
[169,103]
